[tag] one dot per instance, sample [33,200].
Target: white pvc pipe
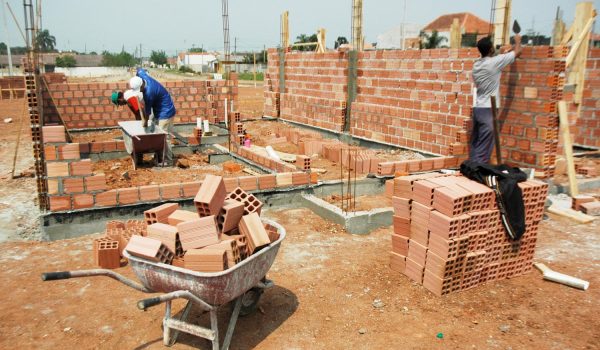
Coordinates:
[271,153]
[558,277]
[199,123]
[206,126]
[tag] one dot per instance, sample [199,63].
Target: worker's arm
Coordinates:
[518,49]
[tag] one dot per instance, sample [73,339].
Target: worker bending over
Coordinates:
[486,75]
[157,101]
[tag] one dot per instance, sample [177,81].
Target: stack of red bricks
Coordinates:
[224,230]
[12,87]
[271,85]
[265,160]
[315,88]
[87,105]
[588,123]
[586,204]
[448,235]
[108,250]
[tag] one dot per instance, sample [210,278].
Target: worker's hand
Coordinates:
[506,48]
[517,38]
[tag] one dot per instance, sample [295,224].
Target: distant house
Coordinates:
[400,37]
[49,60]
[197,61]
[470,25]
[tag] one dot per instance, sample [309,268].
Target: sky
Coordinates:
[177,25]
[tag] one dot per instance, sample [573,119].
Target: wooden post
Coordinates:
[584,12]
[568,146]
[502,22]
[321,40]
[357,25]
[455,34]
[285,30]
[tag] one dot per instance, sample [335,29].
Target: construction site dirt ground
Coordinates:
[326,285]
[326,282]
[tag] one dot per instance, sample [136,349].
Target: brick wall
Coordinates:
[588,124]
[12,87]
[88,105]
[423,100]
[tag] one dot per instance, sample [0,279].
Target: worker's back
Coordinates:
[156,97]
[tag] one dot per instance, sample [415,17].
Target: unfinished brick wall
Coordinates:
[588,124]
[12,87]
[423,100]
[88,105]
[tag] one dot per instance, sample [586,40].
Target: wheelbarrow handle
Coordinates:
[53,276]
[184,294]
[147,303]
[63,275]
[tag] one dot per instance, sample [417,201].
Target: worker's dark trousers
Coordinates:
[482,136]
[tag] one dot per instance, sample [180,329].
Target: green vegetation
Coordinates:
[250,76]
[186,69]
[432,41]
[303,38]
[65,61]
[158,57]
[122,59]
[196,49]
[45,42]
[260,57]
[340,41]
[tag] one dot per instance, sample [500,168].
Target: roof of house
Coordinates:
[469,22]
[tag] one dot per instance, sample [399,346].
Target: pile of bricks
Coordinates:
[448,235]
[265,160]
[88,105]
[12,87]
[196,138]
[586,204]
[108,250]
[224,230]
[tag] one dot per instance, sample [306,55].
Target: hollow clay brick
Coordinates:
[95,183]
[167,234]
[211,196]
[83,200]
[181,216]
[251,203]
[81,168]
[56,169]
[198,233]
[106,253]
[248,183]
[230,215]
[256,235]
[190,189]
[54,134]
[170,191]
[149,193]
[397,262]
[160,213]
[106,199]
[128,195]
[60,203]
[267,181]
[206,259]
[148,248]
[73,185]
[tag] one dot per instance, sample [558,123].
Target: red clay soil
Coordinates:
[97,136]
[326,282]
[120,173]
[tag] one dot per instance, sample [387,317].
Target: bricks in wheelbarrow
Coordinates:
[106,253]
[256,235]
[211,196]
[149,248]
[251,204]
[232,250]
[230,215]
[591,208]
[160,213]
[206,259]
[166,234]
[198,233]
[179,216]
[241,242]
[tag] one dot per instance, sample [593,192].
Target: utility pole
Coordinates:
[254,54]
[10,65]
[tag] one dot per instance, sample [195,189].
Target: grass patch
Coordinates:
[250,76]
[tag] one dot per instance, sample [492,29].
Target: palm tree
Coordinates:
[45,42]
[431,41]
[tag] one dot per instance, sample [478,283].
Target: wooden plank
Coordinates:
[455,34]
[568,146]
[571,214]
[584,13]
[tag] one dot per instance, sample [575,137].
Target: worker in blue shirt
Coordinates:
[158,102]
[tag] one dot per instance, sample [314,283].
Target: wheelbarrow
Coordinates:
[139,140]
[243,283]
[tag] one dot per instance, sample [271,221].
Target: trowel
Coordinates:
[516,27]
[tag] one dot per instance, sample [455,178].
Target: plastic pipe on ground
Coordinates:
[558,277]
[271,153]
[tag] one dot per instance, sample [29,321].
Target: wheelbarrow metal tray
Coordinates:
[138,139]
[215,288]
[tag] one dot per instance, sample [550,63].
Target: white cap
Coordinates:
[130,93]
[135,83]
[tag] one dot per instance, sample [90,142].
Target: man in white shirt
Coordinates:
[486,75]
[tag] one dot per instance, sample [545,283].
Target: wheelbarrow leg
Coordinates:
[232,322]
[170,341]
[214,325]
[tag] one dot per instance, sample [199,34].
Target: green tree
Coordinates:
[3,49]
[341,40]
[303,38]
[122,59]
[158,57]
[66,61]
[93,53]
[260,57]
[431,41]
[196,49]
[45,42]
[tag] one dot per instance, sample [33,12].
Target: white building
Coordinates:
[197,61]
[398,37]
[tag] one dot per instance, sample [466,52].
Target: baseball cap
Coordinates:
[135,83]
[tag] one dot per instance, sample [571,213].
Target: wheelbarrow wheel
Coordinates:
[250,301]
